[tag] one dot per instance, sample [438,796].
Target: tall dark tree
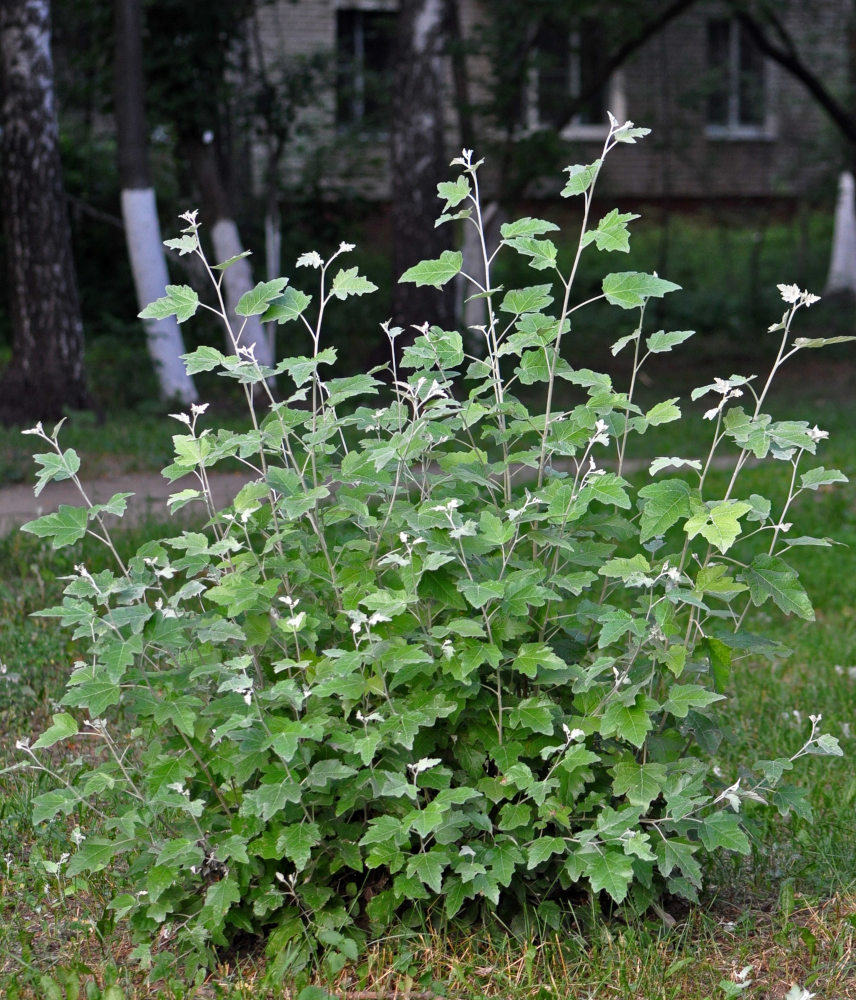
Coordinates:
[419,159]
[46,373]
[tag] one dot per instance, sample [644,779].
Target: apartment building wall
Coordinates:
[664,86]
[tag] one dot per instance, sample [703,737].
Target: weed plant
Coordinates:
[442,660]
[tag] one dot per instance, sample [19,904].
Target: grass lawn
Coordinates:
[783,917]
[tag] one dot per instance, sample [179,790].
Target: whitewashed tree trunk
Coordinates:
[842,265]
[145,249]
[238,279]
[139,210]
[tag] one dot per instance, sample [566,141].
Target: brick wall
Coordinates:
[663,89]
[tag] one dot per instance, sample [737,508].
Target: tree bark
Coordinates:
[419,161]
[46,373]
[139,206]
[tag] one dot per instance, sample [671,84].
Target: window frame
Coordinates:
[616,101]
[357,119]
[734,128]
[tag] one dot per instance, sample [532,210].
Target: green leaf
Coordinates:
[478,594]
[622,342]
[296,842]
[55,468]
[526,227]
[435,272]
[615,623]
[626,569]
[526,300]
[514,815]
[454,192]
[580,178]
[534,655]
[609,489]
[771,577]
[180,301]
[349,282]
[428,868]
[218,901]
[203,359]
[611,233]
[661,341]
[673,853]
[610,870]
[270,798]
[65,527]
[631,723]
[663,412]
[683,697]
[821,477]
[641,783]
[89,689]
[232,260]
[503,860]
[720,525]
[116,505]
[542,849]
[95,854]
[676,463]
[542,253]
[436,348]
[533,714]
[256,301]
[802,342]
[63,726]
[48,804]
[631,289]
[826,746]
[287,307]
[626,132]
[184,244]
[722,829]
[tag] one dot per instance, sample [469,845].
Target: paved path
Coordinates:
[150,489]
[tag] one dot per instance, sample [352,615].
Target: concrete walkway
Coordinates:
[19,505]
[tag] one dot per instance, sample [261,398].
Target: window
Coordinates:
[568,65]
[364,42]
[737,94]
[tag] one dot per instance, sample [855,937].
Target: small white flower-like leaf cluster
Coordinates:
[726,389]
[794,297]
[425,764]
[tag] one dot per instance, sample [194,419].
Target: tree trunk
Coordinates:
[842,264]
[139,207]
[47,372]
[419,161]
[238,278]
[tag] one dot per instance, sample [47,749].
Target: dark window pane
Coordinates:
[719,66]
[592,47]
[553,66]
[364,41]
[568,64]
[750,92]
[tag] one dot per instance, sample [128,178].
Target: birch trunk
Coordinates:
[46,373]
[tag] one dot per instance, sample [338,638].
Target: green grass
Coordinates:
[789,910]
